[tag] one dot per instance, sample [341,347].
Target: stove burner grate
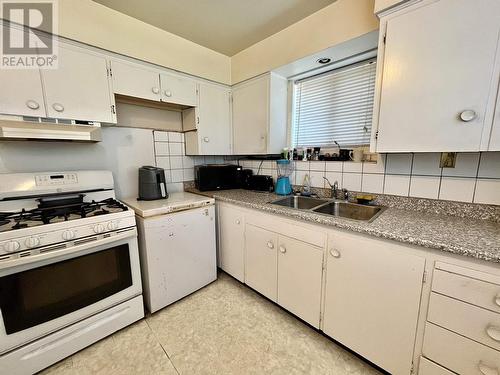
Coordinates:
[46,214]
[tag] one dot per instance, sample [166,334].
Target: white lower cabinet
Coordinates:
[372,299]
[372,295]
[261,261]
[300,269]
[232,241]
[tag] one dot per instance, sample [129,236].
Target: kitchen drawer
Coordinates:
[458,353]
[427,367]
[470,321]
[475,287]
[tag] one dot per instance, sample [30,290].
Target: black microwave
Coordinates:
[217,177]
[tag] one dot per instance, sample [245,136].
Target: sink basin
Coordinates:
[300,203]
[349,210]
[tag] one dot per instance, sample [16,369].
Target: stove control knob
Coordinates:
[99,228]
[32,242]
[68,235]
[12,246]
[112,225]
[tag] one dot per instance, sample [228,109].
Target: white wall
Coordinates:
[97,25]
[123,151]
[341,21]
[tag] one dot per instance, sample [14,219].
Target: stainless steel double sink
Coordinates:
[331,207]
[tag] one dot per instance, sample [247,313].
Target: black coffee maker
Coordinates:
[152,183]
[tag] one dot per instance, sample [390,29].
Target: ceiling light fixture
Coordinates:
[324,60]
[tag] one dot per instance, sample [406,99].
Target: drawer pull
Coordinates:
[497,299]
[487,370]
[493,332]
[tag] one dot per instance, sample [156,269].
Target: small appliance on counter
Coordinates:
[283,186]
[152,184]
[217,177]
[260,183]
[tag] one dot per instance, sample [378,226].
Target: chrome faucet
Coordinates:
[335,190]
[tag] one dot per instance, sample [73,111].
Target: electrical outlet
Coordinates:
[448,159]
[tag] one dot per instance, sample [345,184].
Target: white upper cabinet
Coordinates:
[211,120]
[372,298]
[135,80]
[260,115]
[494,144]
[436,76]
[178,89]
[21,92]
[79,88]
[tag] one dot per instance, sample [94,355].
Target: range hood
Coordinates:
[23,130]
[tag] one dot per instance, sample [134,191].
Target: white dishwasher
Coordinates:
[177,246]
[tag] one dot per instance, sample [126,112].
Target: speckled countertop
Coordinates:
[470,237]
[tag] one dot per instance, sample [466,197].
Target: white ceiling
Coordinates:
[226,26]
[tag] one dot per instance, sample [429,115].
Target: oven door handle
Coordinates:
[42,257]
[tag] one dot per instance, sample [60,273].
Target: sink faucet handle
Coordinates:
[329,183]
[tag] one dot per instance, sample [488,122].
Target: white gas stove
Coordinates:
[69,266]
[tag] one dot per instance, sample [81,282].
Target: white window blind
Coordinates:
[335,107]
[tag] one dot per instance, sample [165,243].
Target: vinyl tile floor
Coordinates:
[225,328]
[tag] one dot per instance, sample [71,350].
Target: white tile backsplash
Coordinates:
[426,164]
[334,166]
[170,155]
[318,166]
[175,137]
[163,162]
[332,177]
[351,181]
[457,189]
[161,136]
[466,165]
[378,167]
[397,184]
[177,175]
[175,149]
[489,165]
[417,175]
[350,166]
[373,183]
[487,191]
[398,164]
[161,149]
[425,187]
[317,179]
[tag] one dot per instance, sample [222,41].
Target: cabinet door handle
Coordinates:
[206,139]
[58,107]
[31,104]
[168,93]
[270,244]
[497,300]
[238,222]
[282,249]
[155,90]
[493,332]
[335,253]
[487,370]
[468,115]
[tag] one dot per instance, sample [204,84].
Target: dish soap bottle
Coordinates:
[306,186]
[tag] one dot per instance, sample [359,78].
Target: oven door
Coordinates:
[42,293]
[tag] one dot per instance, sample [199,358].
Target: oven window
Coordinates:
[36,296]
